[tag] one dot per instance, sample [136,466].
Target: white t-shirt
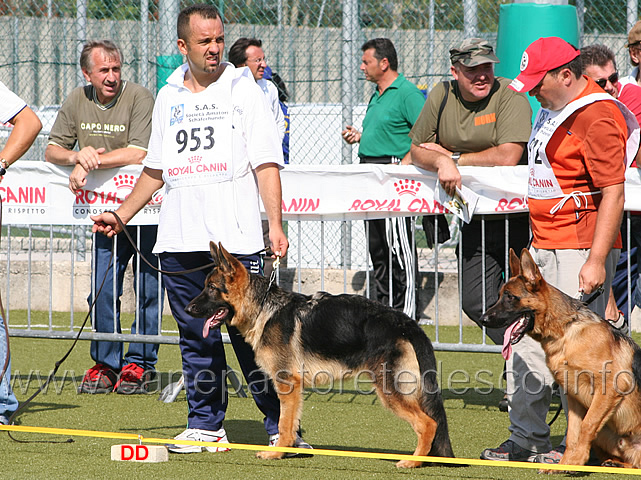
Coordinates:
[10,104]
[211,189]
[271,92]
[631,78]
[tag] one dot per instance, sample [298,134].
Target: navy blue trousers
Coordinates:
[203,359]
[620,280]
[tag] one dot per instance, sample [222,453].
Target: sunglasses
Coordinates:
[614,78]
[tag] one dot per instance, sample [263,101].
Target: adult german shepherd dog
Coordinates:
[298,339]
[598,367]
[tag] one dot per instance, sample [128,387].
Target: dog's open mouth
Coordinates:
[515,333]
[215,320]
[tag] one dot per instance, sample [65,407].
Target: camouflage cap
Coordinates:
[634,36]
[472,52]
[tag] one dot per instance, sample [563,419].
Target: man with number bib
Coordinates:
[215,147]
[581,142]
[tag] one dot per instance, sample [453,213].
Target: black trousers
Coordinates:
[379,253]
[472,267]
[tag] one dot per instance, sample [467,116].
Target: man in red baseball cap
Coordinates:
[581,142]
[539,58]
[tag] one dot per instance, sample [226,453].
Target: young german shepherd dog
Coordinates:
[598,367]
[299,338]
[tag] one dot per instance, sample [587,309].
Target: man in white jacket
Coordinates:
[248,52]
[214,146]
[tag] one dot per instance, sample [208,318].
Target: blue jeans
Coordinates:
[8,401]
[149,302]
[204,362]
[620,280]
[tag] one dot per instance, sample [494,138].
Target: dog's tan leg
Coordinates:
[576,413]
[290,393]
[601,409]
[409,409]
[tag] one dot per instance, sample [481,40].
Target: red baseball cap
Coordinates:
[539,58]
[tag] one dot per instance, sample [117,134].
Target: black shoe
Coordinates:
[508,450]
[503,404]
[553,457]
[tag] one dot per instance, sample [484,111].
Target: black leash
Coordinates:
[181,272]
[57,365]
[24,404]
[594,296]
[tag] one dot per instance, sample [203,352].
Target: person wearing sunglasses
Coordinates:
[599,64]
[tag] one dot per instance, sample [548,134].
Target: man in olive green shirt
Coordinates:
[110,121]
[392,110]
[482,123]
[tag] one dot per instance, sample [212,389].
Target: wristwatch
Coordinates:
[456,156]
[3,167]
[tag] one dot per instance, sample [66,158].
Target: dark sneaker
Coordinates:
[552,457]
[300,443]
[98,379]
[508,450]
[133,379]
[503,404]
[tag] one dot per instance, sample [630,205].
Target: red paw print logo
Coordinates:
[125,182]
[407,187]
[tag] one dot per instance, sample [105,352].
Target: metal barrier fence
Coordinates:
[46,272]
[42,264]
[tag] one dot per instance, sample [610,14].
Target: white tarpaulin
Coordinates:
[38,193]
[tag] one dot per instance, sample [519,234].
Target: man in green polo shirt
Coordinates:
[392,110]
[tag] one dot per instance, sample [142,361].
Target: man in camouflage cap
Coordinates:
[476,120]
[472,52]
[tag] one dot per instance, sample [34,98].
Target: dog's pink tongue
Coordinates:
[507,345]
[207,326]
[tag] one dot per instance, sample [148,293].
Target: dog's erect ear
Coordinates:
[515,264]
[530,270]
[224,258]
[218,255]
[213,248]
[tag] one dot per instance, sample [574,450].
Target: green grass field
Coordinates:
[341,420]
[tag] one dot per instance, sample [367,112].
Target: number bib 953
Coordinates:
[198,140]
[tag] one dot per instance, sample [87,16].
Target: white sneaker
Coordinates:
[300,443]
[198,435]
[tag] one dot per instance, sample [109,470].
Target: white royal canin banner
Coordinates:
[38,193]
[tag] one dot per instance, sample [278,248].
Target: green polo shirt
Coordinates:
[389,119]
